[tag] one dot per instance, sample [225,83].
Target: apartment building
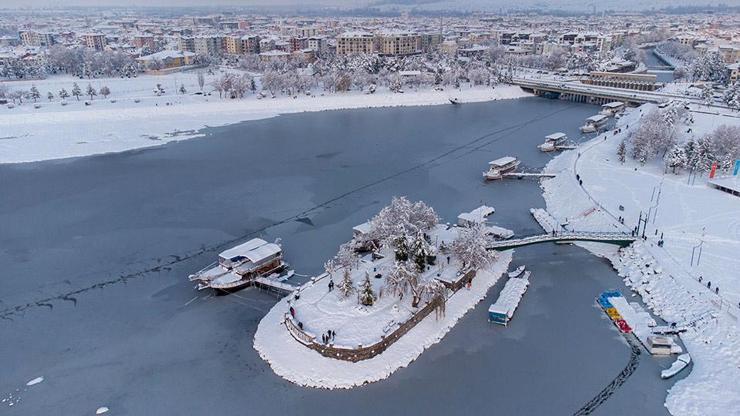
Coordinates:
[186,44]
[317,43]
[208,45]
[398,43]
[33,38]
[144,41]
[234,44]
[250,44]
[350,43]
[94,41]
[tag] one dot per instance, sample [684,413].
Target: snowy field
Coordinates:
[301,365]
[138,118]
[686,215]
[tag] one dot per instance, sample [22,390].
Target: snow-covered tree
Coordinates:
[346,286]
[709,67]
[201,80]
[726,145]
[470,248]
[419,250]
[731,96]
[346,257]
[707,94]
[91,91]
[402,218]
[76,91]
[63,94]
[402,279]
[676,158]
[50,95]
[35,94]
[105,91]
[622,151]
[367,295]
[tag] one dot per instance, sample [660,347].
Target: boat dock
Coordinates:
[279,287]
[520,175]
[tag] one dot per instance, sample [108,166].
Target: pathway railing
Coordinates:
[607,237]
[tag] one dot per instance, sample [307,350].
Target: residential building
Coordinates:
[398,43]
[350,43]
[250,44]
[94,41]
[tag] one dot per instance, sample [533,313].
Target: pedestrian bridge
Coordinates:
[621,239]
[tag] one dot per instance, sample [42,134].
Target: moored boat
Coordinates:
[239,266]
[594,123]
[612,109]
[552,141]
[497,168]
[516,272]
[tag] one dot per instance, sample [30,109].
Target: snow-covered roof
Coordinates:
[555,136]
[597,118]
[363,228]
[242,249]
[274,53]
[502,161]
[166,54]
[510,296]
[614,104]
[477,215]
[263,252]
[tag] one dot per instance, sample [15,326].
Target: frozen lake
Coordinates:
[95,254]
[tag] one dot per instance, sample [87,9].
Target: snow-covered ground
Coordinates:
[55,131]
[686,215]
[301,365]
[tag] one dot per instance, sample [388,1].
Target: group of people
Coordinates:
[328,337]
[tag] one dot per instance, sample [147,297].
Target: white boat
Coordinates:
[552,141]
[594,123]
[612,109]
[516,272]
[239,266]
[681,362]
[497,168]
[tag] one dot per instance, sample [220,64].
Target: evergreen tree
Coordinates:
[50,95]
[622,151]
[367,295]
[35,94]
[104,91]
[63,94]
[346,287]
[676,158]
[76,91]
[182,89]
[91,91]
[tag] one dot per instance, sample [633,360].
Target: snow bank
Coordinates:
[301,365]
[663,276]
[137,120]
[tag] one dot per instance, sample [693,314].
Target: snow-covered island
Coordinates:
[395,289]
[652,171]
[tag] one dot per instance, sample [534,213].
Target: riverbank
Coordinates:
[683,215]
[55,132]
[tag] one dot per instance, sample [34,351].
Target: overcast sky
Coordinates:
[431,4]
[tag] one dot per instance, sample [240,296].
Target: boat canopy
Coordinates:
[502,161]
[555,136]
[613,104]
[242,249]
[597,118]
[263,253]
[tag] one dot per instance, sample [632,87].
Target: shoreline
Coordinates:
[669,290]
[52,133]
